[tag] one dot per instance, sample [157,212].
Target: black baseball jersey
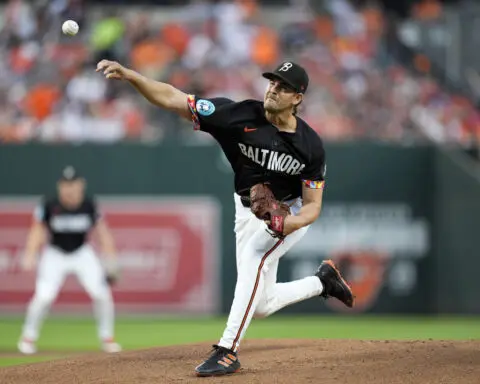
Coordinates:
[257,150]
[68,228]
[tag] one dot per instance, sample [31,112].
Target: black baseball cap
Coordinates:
[292,74]
[69,173]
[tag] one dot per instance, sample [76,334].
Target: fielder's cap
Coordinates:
[292,74]
[69,173]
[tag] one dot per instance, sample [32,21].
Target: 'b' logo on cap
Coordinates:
[285,67]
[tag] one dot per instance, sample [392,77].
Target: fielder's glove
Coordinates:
[266,207]
[111,272]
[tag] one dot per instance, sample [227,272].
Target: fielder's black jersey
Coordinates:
[68,228]
[257,150]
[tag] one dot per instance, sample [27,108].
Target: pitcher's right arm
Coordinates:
[160,94]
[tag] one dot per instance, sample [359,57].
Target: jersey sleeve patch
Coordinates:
[314,184]
[205,107]
[193,110]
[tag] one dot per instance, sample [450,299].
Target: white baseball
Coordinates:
[70,27]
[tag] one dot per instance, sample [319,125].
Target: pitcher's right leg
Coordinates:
[261,253]
[248,291]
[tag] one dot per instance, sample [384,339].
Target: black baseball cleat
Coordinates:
[222,361]
[333,283]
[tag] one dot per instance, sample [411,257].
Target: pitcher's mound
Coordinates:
[271,361]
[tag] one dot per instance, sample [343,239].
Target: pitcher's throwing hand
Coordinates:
[112,70]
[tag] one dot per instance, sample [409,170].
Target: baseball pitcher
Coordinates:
[279,166]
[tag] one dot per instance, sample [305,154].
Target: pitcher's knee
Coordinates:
[261,313]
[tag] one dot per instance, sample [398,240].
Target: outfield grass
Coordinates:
[9,361]
[79,335]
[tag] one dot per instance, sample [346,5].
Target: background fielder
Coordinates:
[68,218]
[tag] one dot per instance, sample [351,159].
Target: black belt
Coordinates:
[245,201]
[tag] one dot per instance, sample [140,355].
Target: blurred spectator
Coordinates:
[86,87]
[40,101]
[427,10]
[50,91]
[106,36]
[19,22]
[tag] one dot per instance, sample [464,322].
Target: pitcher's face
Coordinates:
[279,97]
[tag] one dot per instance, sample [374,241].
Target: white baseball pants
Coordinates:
[257,293]
[53,268]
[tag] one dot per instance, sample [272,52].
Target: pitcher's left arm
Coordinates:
[311,208]
[313,183]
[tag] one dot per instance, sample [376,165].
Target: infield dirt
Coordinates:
[270,361]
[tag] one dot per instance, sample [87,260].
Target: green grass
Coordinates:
[9,361]
[79,335]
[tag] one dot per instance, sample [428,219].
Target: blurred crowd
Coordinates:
[50,92]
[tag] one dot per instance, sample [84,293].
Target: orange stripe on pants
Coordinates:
[252,297]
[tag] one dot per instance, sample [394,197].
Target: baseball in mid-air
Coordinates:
[70,27]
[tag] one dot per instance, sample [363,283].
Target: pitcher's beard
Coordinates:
[273,109]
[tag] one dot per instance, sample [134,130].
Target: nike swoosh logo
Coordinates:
[246,129]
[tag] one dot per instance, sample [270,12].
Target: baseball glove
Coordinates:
[266,207]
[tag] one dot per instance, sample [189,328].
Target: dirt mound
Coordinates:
[271,361]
